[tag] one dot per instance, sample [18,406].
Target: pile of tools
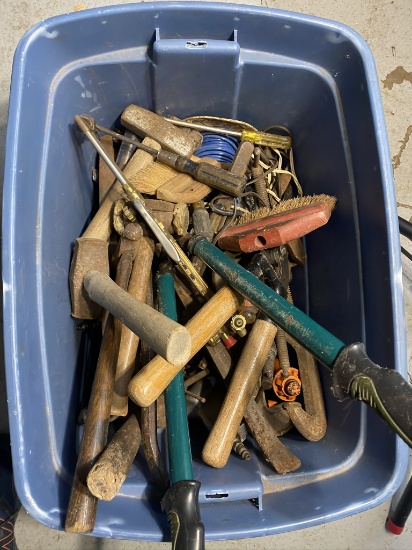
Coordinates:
[175,339]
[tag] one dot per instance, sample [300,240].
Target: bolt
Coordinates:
[292,388]
[239,448]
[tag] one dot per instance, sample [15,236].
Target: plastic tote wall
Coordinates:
[258,65]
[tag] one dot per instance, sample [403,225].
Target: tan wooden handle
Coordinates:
[166,337]
[218,445]
[109,472]
[129,341]
[150,382]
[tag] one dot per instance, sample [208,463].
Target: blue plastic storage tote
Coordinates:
[259,65]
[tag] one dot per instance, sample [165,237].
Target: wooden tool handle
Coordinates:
[109,472]
[169,339]
[218,445]
[150,382]
[106,177]
[81,512]
[101,225]
[129,341]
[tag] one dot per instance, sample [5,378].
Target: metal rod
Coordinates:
[203,128]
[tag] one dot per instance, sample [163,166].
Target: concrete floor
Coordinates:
[386,25]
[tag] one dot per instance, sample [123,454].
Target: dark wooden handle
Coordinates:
[81,512]
[108,474]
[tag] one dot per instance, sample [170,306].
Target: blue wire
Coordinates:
[219,147]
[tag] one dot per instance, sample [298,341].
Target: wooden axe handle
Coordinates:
[150,382]
[171,340]
[219,443]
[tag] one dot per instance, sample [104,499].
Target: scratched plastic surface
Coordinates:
[255,64]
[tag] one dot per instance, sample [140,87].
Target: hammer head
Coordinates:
[88,254]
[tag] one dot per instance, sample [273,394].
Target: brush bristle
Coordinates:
[285,206]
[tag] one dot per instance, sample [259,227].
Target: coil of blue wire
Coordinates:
[219,147]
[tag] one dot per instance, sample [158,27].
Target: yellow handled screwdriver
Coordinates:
[259,138]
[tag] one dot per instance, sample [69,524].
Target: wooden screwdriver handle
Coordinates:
[219,443]
[150,382]
[169,339]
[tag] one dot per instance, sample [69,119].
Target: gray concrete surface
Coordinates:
[386,25]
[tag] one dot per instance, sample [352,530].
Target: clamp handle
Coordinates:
[181,504]
[385,390]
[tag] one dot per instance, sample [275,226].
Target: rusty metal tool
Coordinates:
[149,420]
[354,374]
[275,452]
[145,123]
[181,501]
[109,472]
[309,420]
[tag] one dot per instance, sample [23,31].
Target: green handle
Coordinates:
[181,501]
[354,374]
[180,457]
[321,343]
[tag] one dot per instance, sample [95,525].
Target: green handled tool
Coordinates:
[181,502]
[354,374]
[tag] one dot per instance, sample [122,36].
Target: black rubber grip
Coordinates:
[397,520]
[405,228]
[356,376]
[181,504]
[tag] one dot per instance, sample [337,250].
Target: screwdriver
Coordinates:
[206,173]
[259,138]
